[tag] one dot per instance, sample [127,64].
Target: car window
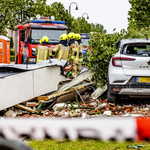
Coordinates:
[137,49]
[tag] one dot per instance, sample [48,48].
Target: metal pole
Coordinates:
[69,8]
[86,14]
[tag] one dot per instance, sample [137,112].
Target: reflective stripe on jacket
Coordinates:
[81,51]
[42,53]
[76,48]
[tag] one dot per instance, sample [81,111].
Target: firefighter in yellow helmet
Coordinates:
[74,53]
[80,51]
[61,51]
[44,40]
[42,50]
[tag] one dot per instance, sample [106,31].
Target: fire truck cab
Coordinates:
[27,37]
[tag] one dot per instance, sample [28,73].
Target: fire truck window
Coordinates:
[53,35]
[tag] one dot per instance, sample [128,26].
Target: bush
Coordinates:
[103,47]
[12,52]
[12,58]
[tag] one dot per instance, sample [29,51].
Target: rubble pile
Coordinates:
[84,108]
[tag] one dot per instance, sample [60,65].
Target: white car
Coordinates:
[129,70]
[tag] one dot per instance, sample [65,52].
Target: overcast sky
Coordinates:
[110,13]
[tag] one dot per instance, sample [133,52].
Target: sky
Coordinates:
[110,13]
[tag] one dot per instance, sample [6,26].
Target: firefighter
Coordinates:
[61,51]
[80,51]
[42,50]
[44,40]
[74,54]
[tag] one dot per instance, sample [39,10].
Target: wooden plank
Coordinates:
[45,98]
[64,95]
[26,108]
[69,91]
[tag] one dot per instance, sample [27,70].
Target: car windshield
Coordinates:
[85,42]
[53,35]
[142,49]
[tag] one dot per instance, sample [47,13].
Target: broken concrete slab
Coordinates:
[10,113]
[75,81]
[98,92]
[59,106]
[108,113]
[36,80]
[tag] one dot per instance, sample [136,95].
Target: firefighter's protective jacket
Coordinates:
[76,51]
[80,52]
[62,52]
[42,53]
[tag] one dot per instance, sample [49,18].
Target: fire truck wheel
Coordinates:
[13,145]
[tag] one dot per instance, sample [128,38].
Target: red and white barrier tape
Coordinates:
[119,128]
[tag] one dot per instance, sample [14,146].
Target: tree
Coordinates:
[58,11]
[102,46]
[79,25]
[139,13]
[17,11]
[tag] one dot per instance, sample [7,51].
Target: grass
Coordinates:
[85,144]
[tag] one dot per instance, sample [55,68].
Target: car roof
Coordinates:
[130,41]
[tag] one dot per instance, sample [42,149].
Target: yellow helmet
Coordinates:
[40,41]
[63,36]
[44,39]
[72,35]
[78,36]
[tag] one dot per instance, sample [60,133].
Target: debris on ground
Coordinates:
[74,98]
[83,106]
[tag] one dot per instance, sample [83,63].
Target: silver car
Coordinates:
[129,70]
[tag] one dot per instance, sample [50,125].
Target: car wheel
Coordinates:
[110,97]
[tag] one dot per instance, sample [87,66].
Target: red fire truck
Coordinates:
[27,37]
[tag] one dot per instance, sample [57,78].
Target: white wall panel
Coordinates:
[46,80]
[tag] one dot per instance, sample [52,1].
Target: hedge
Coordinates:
[12,57]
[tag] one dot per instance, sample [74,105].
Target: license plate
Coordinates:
[143,79]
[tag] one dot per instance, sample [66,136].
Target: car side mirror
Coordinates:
[22,38]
